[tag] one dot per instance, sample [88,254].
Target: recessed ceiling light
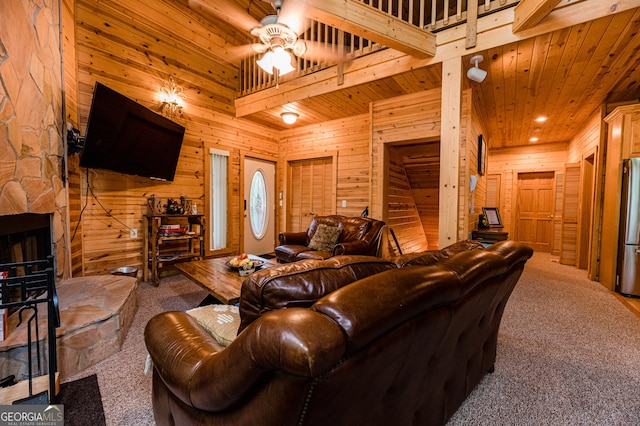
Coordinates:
[541,119]
[534,139]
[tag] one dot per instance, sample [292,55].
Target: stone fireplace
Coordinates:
[32,181]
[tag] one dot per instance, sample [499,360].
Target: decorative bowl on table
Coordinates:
[243,263]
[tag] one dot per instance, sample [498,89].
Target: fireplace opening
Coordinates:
[25,237]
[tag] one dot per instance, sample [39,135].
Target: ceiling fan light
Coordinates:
[282,60]
[266,63]
[285,68]
[289,117]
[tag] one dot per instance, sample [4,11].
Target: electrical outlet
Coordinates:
[133,233]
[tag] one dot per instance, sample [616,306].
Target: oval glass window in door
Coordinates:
[258,214]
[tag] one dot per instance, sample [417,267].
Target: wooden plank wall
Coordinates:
[411,118]
[360,141]
[125,47]
[350,137]
[586,144]
[400,120]
[479,196]
[509,162]
[71,116]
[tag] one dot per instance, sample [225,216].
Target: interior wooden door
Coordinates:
[586,212]
[310,192]
[534,215]
[570,214]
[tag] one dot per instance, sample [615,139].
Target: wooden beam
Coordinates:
[472,24]
[450,152]
[529,13]
[365,21]
[493,31]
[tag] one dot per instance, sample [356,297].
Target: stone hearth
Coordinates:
[95,314]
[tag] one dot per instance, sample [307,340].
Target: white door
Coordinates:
[259,206]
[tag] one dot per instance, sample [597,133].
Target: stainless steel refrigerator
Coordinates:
[628,276]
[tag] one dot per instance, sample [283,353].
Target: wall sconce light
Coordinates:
[171,96]
[289,117]
[476,74]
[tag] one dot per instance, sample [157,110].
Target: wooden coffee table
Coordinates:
[217,278]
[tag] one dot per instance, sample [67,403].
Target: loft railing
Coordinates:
[436,14]
[432,15]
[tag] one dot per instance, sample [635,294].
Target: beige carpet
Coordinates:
[568,353]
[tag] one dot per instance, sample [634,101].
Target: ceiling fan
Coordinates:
[279,34]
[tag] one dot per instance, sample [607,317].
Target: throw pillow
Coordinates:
[220,321]
[325,238]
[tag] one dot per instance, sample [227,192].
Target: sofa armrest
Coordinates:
[194,366]
[208,377]
[297,238]
[351,247]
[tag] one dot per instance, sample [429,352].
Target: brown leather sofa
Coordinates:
[360,235]
[404,346]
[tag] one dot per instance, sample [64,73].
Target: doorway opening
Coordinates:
[412,186]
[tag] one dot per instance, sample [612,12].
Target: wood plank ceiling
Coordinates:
[565,75]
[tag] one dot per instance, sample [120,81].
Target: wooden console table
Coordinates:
[161,249]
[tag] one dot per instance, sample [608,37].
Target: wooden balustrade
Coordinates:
[434,15]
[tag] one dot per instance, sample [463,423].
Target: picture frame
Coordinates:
[482,155]
[493,216]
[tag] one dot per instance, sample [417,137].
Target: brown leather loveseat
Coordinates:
[403,346]
[355,235]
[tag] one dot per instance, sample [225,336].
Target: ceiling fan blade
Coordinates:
[324,51]
[239,52]
[228,11]
[293,14]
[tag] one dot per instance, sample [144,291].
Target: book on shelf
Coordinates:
[172,232]
[170,226]
[168,257]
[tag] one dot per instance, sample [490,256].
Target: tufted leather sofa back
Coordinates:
[302,283]
[421,345]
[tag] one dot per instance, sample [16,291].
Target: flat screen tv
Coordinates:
[126,137]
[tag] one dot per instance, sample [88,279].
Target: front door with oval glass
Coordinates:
[259,206]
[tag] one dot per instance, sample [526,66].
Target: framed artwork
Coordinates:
[493,217]
[482,155]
